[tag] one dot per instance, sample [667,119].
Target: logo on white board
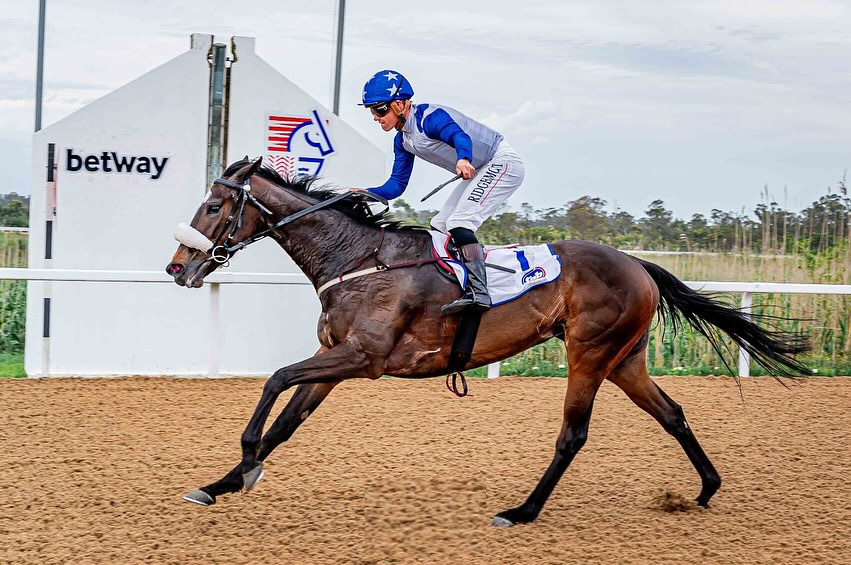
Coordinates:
[297,145]
[115,162]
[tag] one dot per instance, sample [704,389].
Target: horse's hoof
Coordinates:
[252,477]
[198,496]
[501,522]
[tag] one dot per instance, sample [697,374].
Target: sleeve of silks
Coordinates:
[440,125]
[402,167]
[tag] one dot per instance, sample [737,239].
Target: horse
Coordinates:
[381,298]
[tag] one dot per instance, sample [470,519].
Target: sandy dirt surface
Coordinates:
[402,472]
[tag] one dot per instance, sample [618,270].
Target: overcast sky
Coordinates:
[697,103]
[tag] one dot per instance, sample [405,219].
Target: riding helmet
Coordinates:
[385,86]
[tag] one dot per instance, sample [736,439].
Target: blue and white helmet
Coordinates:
[385,86]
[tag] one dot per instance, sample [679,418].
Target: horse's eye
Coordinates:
[214,208]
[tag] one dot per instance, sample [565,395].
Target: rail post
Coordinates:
[214,360]
[744,356]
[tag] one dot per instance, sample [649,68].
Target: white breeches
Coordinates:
[473,201]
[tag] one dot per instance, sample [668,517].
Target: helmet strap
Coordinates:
[401,115]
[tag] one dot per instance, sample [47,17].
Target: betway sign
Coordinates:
[113,162]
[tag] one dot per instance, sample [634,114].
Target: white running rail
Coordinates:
[746,289]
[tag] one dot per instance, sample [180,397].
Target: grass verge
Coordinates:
[12,365]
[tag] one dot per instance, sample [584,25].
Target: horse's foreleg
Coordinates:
[345,361]
[306,399]
[631,376]
[581,389]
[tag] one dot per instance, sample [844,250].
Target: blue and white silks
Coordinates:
[442,136]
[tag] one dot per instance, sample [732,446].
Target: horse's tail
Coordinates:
[774,349]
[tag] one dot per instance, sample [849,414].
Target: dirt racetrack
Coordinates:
[401,472]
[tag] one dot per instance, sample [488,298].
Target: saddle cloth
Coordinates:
[533,265]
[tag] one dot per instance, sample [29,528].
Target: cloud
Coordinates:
[538,119]
[753,33]
[24,89]
[17,115]
[793,11]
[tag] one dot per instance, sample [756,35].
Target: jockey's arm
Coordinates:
[402,167]
[440,125]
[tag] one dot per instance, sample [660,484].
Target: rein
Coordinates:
[220,250]
[221,253]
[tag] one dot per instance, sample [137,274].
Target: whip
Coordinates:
[430,194]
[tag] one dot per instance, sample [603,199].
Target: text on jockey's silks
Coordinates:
[484,182]
[113,162]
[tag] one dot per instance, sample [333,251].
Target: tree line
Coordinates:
[14,210]
[769,228]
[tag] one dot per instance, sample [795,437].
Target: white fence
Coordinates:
[216,279]
[748,290]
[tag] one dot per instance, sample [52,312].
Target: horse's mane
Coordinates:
[355,207]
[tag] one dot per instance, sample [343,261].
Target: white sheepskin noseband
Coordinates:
[192,238]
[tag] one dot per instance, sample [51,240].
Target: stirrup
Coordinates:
[457,306]
[462,304]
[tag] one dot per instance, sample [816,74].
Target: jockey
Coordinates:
[490,169]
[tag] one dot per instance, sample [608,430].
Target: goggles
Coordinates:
[380,110]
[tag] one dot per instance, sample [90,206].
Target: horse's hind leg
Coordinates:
[631,376]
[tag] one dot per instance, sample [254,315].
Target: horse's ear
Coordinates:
[255,166]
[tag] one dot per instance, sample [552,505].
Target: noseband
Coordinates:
[223,248]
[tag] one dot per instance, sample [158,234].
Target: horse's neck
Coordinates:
[324,243]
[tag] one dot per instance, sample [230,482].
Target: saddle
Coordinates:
[442,267]
[512,270]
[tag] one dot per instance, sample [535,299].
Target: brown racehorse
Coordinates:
[389,322]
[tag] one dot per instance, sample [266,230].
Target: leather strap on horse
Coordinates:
[377,269]
[244,191]
[462,350]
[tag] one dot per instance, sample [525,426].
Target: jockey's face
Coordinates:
[390,120]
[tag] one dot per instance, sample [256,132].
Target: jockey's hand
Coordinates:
[355,189]
[465,169]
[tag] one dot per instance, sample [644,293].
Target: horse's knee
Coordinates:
[277,383]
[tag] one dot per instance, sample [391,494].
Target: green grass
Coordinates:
[12,365]
[13,301]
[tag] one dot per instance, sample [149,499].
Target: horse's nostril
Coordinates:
[174,269]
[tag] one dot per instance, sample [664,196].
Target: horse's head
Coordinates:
[228,216]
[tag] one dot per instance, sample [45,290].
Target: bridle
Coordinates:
[222,248]
[221,252]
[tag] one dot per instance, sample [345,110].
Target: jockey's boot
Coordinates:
[476,293]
